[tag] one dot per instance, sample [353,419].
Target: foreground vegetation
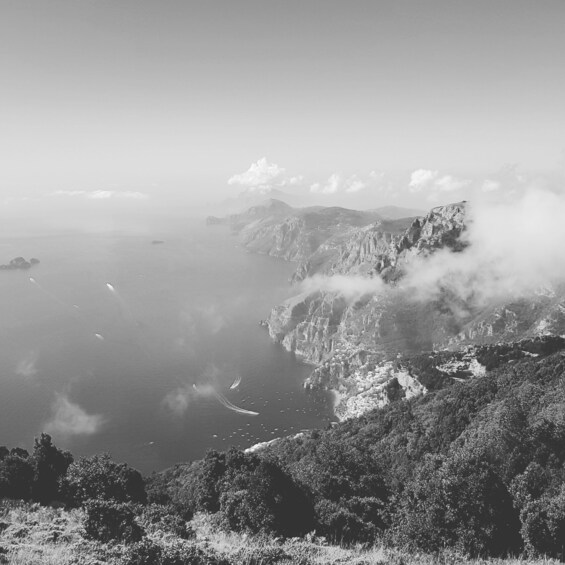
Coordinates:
[471,470]
[36,535]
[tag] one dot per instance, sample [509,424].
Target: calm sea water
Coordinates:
[123,346]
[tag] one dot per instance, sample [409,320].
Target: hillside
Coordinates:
[370,289]
[368,303]
[477,464]
[475,467]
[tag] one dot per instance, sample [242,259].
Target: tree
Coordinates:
[16,477]
[460,502]
[100,478]
[50,464]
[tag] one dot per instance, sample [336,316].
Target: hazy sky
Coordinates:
[174,97]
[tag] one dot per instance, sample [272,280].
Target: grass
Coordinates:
[35,535]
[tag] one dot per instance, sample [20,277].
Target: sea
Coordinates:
[147,346]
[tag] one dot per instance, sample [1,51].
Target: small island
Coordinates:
[19,263]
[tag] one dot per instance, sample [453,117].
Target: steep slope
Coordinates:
[296,234]
[353,337]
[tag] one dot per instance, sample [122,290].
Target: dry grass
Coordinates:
[33,535]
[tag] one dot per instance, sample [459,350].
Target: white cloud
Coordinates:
[332,185]
[448,183]
[354,184]
[100,194]
[69,418]
[514,247]
[376,176]
[421,179]
[352,287]
[103,194]
[292,181]
[490,185]
[434,184]
[260,174]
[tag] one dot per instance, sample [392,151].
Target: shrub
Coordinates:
[460,503]
[16,477]
[50,465]
[147,552]
[250,493]
[259,496]
[157,517]
[100,478]
[106,521]
[543,525]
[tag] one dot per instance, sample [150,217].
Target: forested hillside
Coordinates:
[476,466]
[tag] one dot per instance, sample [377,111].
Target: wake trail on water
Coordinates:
[225,402]
[72,308]
[79,315]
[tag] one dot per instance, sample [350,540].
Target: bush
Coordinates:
[148,552]
[100,478]
[16,477]
[106,521]
[50,465]
[543,525]
[250,493]
[156,517]
[260,497]
[460,503]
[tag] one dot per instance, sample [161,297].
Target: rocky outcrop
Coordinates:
[362,381]
[359,340]
[355,341]
[313,324]
[19,263]
[311,236]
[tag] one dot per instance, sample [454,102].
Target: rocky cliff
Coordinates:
[355,340]
[358,334]
[311,236]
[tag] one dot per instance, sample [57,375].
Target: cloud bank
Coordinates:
[425,180]
[352,287]
[103,194]
[514,247]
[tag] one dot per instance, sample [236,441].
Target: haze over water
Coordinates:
[120,345]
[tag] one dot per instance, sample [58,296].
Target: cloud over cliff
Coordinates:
[514,247]
[352,287]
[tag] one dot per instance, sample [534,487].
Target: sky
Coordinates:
[164,104]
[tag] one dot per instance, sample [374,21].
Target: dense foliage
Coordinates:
[108,521]
[477,466]
[99,478]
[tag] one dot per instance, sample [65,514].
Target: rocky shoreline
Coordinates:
[358,342]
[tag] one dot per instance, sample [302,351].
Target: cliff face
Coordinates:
[298,234]
[356,339]
[314,324]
